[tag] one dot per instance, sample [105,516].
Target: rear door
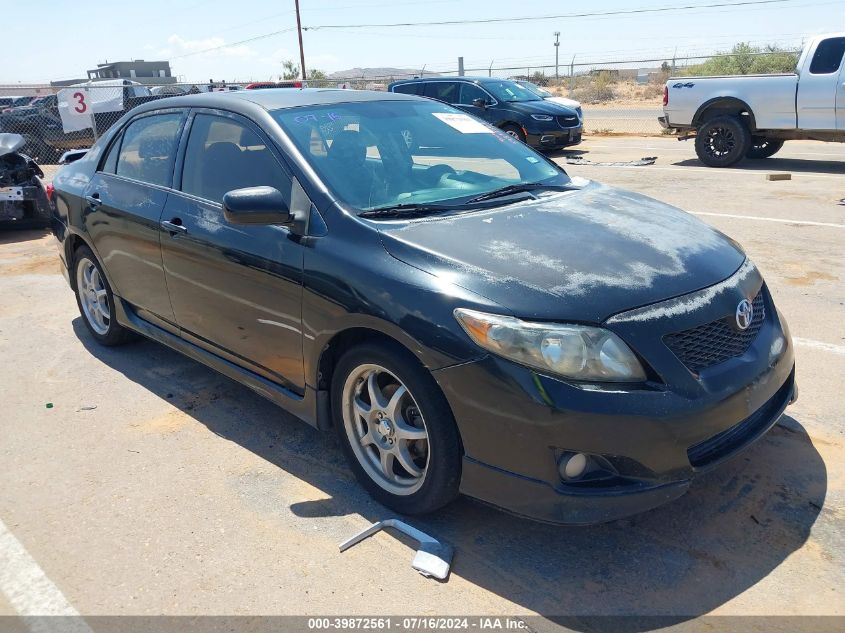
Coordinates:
[445,91]
[123,207]
[820,93]
[236,290]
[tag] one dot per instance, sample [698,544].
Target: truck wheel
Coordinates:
[722,141]
[396,428]
[762,147]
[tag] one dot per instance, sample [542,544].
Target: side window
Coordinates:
[110,164]
[223,154]
[828,56]
[471,92]
[148,149]
[409,89]
[446,91]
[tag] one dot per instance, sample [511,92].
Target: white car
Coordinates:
[548,96]
[750,116]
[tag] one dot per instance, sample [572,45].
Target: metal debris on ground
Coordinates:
[640,162]
[433,558]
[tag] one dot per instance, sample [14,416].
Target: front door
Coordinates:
[125,200]
[819,89]
[235,290]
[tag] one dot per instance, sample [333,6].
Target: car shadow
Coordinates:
[796,165]
[13,234]
[732,529]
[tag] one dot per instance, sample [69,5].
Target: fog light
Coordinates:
[547,138]
[573,465]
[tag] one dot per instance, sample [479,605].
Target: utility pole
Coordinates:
[299,31]
[557,50]
[460,66]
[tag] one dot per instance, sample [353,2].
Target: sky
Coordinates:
[70,37]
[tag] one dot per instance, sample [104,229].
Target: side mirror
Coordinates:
[256,205]
[480,103]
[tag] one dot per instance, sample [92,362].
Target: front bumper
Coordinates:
[555,138]
[515,424]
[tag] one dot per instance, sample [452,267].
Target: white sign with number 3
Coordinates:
[77,104]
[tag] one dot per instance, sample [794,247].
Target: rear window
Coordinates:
[828,56]
[148,148]
[409,89]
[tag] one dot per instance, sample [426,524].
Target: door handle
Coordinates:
[94,200]
[174,226]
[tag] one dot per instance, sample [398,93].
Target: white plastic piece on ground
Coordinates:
[433,558]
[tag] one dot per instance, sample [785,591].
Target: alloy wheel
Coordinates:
[385,429]
[93,296]
[720,142]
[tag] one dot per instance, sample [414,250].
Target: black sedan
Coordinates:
[465,316]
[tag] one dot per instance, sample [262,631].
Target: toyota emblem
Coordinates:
[744,314]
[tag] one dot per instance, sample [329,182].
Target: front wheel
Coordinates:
[762,147]
[515,131]
[722,141]
[396,428]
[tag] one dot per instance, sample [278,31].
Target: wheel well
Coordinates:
[72,243]
[338,345]
[725,106]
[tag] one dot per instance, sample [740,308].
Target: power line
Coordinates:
[548,17]
[231,44]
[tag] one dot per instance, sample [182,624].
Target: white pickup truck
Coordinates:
[750,116]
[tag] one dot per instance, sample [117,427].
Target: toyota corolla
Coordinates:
[463,314]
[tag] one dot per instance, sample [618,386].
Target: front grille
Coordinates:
[567,121]
[715,342]
[722,445]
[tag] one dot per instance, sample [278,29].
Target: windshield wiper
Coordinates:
[512,189]
[407,210]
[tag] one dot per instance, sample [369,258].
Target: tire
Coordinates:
[722,141]
[91,288]
[416,426]
[762,147]
[514,130]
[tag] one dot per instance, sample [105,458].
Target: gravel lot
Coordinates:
[184,493]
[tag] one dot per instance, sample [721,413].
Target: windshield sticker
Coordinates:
[320,117]
[463,123]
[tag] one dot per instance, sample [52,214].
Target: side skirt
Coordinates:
[304,407]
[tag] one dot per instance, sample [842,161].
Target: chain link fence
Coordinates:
[618,97]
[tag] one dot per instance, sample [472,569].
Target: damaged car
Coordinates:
[464,316]
[24,197]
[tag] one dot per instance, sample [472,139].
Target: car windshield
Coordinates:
[509,91]
[382,154]
[537,90]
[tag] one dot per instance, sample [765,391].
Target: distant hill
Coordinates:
[372,73]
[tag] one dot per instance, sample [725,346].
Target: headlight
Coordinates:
[580,352]
[541,117]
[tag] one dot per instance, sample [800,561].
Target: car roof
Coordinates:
[461,78]
[277,98]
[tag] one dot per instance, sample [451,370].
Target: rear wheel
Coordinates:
[396,428]
[722,141]
[514,130]
[762,147]
[96,301]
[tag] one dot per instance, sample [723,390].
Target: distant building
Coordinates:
[152,73]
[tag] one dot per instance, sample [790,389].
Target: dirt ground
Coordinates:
[137,481]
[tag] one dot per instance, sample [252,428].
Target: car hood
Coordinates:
[541,106]
[581,255]
[10,143]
